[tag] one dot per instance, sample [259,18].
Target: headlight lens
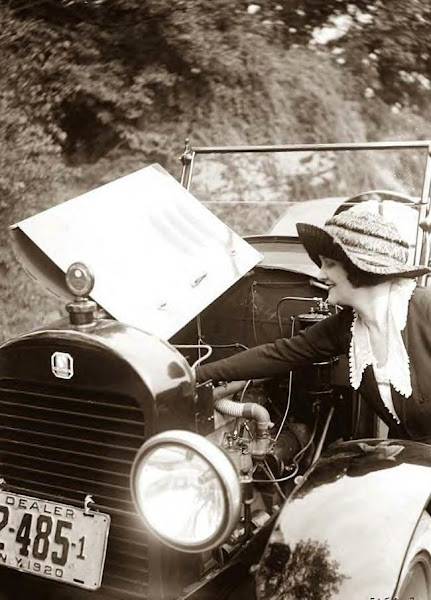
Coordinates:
[187,490]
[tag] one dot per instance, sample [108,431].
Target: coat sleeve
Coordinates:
[320,341]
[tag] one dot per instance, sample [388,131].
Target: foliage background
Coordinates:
[94,89]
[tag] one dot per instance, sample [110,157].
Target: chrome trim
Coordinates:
[222,466]
[312,147]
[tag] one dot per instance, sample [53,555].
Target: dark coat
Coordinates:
[331,337]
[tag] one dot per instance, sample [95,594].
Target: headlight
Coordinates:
[186,490]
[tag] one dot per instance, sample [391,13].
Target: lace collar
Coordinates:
[397,367]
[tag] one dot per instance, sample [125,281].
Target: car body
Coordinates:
[123,478]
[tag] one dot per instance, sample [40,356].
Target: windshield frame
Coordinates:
[423,205]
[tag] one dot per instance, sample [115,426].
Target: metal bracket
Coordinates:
[187,159]
[87,501]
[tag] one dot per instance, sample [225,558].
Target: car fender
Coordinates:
[346,530]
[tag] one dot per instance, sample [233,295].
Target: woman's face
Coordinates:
[334,275]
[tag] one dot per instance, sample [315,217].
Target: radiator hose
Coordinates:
[246,410]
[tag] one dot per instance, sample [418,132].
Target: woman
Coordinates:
[385,328]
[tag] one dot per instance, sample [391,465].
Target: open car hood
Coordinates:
[159,257]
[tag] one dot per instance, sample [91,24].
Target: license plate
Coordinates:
[53,540]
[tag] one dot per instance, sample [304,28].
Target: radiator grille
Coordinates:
[62,445]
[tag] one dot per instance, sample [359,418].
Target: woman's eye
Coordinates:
[328,262]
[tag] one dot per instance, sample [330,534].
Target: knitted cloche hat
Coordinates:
[367,240]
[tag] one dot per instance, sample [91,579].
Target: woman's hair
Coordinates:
[356,276]
[360,278]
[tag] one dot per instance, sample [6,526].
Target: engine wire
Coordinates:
[237,421]
[197,347]
[233,345]
[247,385]
[279,480]
[289,393]
[308,444]
[271,474]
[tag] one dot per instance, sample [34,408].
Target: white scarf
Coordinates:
[397,366]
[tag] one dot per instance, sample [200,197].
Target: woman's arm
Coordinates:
[327,338]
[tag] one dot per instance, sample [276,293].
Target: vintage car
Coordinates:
[121,478]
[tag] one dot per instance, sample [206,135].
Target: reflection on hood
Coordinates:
[358,458]
[304,573]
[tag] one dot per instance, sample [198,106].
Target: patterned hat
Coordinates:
[367,240]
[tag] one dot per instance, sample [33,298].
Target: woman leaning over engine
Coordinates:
[385,327]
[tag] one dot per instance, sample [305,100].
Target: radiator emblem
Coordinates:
[62,365]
